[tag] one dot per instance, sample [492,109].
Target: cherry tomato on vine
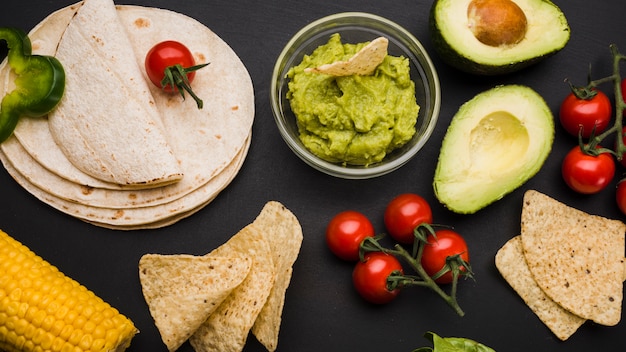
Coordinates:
[620,196]
[346,231]
[370,277]
[166,54]
[576,113]
[587,174]
[170,65]
[445,243]
[404,213]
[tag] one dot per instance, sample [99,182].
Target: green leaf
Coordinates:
[453,344]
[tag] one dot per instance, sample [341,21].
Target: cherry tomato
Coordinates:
[444,244]
[404,213]
[370,277]
[576,113]
[166,54]
[620,196]
[587,174]
[345,232]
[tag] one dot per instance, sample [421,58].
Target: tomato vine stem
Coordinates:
[454,264]
[617,128]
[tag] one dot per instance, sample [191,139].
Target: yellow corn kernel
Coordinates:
[41,309]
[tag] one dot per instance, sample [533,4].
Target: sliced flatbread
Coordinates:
[364,62]
[226,330]
[512,265]
[284,234]
[183,290]
[576,258]
[108,125]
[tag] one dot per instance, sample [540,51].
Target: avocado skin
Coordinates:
[462,63]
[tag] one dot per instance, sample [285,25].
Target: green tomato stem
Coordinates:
[414,260]
[620,106]
[176,77]
[427,281]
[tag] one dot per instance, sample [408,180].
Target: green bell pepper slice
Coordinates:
[39,82]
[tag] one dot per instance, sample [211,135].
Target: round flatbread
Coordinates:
[139,217]
[210,144]
[107,123]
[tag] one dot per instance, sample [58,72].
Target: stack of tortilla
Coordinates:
[567,265]
[215,300]
[119,152]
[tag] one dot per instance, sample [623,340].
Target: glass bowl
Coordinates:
[355,27]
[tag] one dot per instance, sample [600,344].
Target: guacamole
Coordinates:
[353,119]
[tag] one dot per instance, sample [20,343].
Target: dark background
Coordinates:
[322,312]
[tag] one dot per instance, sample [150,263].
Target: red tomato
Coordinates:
[620,196]
[167,54]
[404,213]
[346,231]
[370,277]
[576,113]
[587,174]
[444,244]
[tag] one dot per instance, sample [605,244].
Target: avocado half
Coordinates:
[450,26]
[494,144]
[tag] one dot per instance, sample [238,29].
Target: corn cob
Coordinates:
[41,309]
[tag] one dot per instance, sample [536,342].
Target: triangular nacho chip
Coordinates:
[512,265]
[284,234]
[364,62]
[576,258]
[226,330]
[183,290]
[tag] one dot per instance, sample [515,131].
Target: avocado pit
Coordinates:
[497,22]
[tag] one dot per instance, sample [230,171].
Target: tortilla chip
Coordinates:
[183,290]
[227,328]
[284,234]
[576,258]
[364,62]
[512,265]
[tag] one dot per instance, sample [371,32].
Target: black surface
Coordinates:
[322,312]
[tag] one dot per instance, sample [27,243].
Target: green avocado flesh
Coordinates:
[547,33]
[494,144]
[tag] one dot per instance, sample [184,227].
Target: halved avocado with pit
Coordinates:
[494,144]
[493,37]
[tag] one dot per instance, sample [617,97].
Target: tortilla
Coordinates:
[108,125]
[210,144]
[364,62]
[226,330]
[284,234]
[512,265]
[183,290]
[86,195]
[576,258]
[138,217]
